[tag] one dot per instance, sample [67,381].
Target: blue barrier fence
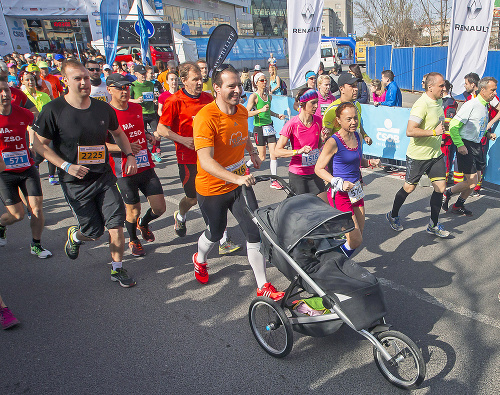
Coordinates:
[247,48]
[410,64]
[387,128]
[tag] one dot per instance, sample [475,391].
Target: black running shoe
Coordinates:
[120,275]
[3,235]
[179,226]
[72,248]
[461,210]
[446,200]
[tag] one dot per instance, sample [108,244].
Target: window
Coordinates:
[338,6]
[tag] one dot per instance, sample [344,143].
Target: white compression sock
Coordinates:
[204,247]
[224,237]
[274,166]
[180,217]
[116,265]
[258,263]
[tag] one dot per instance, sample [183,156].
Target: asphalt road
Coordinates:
[83,334]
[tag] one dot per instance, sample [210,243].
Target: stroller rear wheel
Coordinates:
[271,327]
[406,368]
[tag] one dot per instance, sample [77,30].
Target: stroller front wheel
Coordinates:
[271,327]
[406,368]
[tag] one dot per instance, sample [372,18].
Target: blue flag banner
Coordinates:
[387,128]
[492,172]
[144,36]
[110,16]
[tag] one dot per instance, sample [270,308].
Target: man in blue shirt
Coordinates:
[393,96]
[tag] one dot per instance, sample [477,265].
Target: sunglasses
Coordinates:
[262,80]
[93,69]
[312,78]
[121,88]
[124,64]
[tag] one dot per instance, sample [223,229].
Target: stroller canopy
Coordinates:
[304,216]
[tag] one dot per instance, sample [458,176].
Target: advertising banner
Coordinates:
[304,38]
[35,8]
[5,41]
[144,37]
[470,29]
[17,34]
[279,105]
[94,17]
[110,14]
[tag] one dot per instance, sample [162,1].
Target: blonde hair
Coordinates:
[321,78]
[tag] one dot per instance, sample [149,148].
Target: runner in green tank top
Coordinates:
[259,107]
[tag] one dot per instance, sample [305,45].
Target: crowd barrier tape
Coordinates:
[387,128]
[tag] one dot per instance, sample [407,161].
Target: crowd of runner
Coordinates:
[99,127]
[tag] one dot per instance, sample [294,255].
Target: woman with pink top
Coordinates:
[303,131]
[325,97]
[378,92]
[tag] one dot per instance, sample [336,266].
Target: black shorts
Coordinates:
[475,159]
[96,203]
[147,182]
[27,181]
[306,183]
[151,120]
[187,174]
[434,168]
[259,137]
[214,211]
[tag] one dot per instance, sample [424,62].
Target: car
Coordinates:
[163,53]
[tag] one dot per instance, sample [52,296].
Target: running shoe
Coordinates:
[437,230]
[269,291]
[200,270]
[146,233]
[394,222]
[461,210]
[7,319]
[179,226]
[276,185]
[72,248]
[228,247]
[120,275]
[156,157]
[446,201]
[136,248]
[53,180]
[3,236]
[39,251]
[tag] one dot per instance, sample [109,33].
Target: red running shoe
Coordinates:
[200,270]
[146,233]
[7,319]
[136,248]
[269,291]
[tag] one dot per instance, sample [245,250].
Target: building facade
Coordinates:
[345,15]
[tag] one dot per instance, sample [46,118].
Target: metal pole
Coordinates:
[375,61]
[390,66]
[139,5]
[77,50]
[413,70]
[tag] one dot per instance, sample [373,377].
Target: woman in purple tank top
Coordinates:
[345,151]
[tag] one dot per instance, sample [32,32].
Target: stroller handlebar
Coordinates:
[283,183]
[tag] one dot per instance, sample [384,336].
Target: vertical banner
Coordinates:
[304,38]
[219,45]
[17,34]
[110,14]
[124,9]
[6,46]
[470,29]
[94,17]
[159,7]
[144,36]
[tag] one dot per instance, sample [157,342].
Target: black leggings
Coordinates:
[214,210]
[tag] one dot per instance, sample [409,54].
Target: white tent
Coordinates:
[184,47]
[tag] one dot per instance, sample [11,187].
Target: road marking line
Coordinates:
[463,311]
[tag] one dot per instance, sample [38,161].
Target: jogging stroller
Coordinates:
[302,236]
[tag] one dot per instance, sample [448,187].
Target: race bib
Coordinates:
[148,96]
[91,154]
[142,158]
[268,130]
[356,193]
[311,158]
[323,108]
[238,168]
[16,159]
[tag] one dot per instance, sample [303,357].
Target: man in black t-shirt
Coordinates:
[77,125]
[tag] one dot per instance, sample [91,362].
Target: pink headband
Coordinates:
[311,94]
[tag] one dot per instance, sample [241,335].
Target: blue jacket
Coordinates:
[393,96]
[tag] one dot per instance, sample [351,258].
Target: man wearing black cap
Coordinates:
[143,92]
[146,180]
[78,126]
[98,88]
[348,86]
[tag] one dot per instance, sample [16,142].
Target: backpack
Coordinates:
[283,87]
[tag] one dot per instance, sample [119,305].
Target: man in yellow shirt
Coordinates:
[207,81]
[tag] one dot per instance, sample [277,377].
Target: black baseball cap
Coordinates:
[348,79]
[117,79]
[245,69]
[139,68]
